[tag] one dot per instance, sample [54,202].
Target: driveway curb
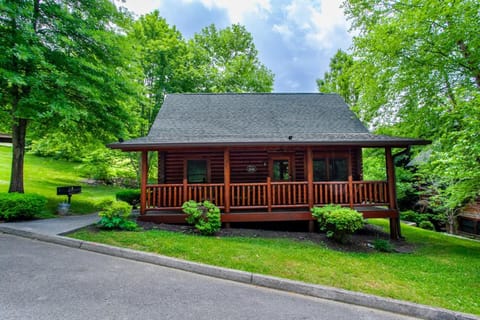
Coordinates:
[318,291]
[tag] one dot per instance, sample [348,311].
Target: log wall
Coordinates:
[175,161]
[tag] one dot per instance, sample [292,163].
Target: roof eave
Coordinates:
[353,143]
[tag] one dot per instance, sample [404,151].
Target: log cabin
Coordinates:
[263,157]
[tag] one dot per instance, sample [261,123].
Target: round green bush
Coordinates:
[427,225]
[131,196]
[205,216]
[337,221]
[410,215]
[383,245]
[116,216]
[20,206]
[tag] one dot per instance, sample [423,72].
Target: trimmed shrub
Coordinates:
[20,206]
[338,222]
[131,196]
[205,216]
[116,216]
[427,225]
[411,216]
[103,203]
[383,245]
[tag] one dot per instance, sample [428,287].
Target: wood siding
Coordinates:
[175,165]
[173,169]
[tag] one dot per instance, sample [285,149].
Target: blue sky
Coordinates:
[294,38]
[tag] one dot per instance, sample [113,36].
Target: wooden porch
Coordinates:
[269,201]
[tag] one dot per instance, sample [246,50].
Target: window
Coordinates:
[197,171]
[319,170]
[330,169]
[281,170]
[338,170]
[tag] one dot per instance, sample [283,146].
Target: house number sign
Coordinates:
[251,168]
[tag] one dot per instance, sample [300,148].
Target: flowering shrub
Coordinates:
[205,216]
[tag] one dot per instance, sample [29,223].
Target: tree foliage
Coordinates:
[63,69]
[162,53]
[340,78]
[80,73]
[228,61]
[415,67]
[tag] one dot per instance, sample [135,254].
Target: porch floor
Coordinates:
[259,215]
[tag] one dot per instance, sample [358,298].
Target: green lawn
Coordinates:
[44,175]
[443,271]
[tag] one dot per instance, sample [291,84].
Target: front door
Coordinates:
[281,167]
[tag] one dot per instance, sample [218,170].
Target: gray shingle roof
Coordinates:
[256,118]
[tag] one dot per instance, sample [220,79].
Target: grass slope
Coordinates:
[44,175]
[442,272]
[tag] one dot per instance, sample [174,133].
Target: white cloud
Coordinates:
[316,22]
[283,30]
[237,10]
[140,7]
[326,23]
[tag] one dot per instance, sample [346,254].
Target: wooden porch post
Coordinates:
[185,190]
[350,179]
[226,178]
[311,203]
[143,182]
[269,194]
[392,195]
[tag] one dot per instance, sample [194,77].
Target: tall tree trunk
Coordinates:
[18,141]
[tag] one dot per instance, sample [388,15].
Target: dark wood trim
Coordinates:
[143,182]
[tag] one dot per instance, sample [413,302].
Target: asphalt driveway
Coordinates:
[41,280]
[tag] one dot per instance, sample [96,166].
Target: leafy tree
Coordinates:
[163,56]
[340,79]
[63,67]
[418,66]
[227,61]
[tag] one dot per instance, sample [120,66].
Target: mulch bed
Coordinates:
[361,241]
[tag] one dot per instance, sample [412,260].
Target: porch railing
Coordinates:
[269,195]
[172,196]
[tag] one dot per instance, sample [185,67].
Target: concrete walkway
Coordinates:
[53,227]
[50,230]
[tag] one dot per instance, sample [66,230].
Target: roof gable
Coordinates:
[243,117]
